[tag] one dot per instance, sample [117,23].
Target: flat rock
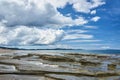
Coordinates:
[21,77]
[71,77]
[52,69]
[23,65]
[19,62]
[56,58]
[7,68]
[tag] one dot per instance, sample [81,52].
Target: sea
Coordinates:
[117,52]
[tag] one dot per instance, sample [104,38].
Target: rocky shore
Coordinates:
[20,65]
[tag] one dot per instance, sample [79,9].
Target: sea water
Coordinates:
[117,52]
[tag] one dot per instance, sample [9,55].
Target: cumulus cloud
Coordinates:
[95,19]
[35,13]
[23,35]
[43,12]
[85,6]
[30,22]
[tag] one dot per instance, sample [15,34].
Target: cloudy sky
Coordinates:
[79,24]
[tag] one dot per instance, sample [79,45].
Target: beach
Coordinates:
[37,65]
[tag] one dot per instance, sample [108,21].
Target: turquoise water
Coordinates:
[79,51]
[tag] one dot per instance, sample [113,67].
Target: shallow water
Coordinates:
[76,51]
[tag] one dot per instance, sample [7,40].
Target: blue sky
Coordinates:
[79,24]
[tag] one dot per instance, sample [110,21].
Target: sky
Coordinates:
[76,24]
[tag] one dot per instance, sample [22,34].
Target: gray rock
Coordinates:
[21,77]
[70,77]
[7,68]
[56,58]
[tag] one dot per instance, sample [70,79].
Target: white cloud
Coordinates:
[23,35]
[84,6]
[67,21]
[77,36]
[60,46]
[43,12]
[79,5]
[95,19]
[35,13]
[93,12]
[75,31]
[91,27]
[23,22]
[84,40]
[96,3]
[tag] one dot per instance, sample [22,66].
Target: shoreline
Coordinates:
[55,66]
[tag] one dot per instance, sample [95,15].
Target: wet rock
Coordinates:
[16,62]
[52,69]
[54,77]
[56,58]
[103,57]
[7,68]
[112,66]
[31,58]
[4,57]
[106,73]
[21,77]
[69,77]
[89,63]
[21,56]
[58,66]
